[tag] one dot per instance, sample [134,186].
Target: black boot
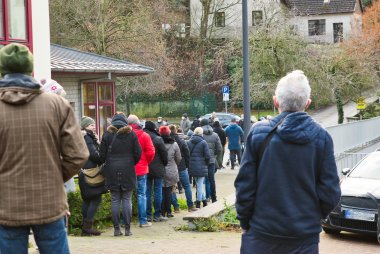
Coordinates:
[87,229]
[198,204]
[204,203]
[117,231]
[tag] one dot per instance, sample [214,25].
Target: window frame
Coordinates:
[4,38]
[314,29]
[217,16]
[254,22]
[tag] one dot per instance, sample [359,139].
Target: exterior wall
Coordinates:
[73,92]
[272,11]
[41,38]
[351,23]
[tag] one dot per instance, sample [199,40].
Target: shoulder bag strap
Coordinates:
[110,146]
[192,149]
[264,145]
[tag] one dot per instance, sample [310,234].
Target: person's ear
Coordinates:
[308,103]
[275,102]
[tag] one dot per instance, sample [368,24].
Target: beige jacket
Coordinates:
[41,148]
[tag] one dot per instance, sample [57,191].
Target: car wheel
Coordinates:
[331,231]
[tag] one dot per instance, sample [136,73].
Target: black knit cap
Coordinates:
[204,122]
[119,120]
[149,125]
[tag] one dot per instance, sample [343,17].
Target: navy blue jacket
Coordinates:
[296,184]
[199,156]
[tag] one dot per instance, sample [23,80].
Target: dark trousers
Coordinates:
[166,200]
[210,182]
[90,206]
[233,154]
[250,244]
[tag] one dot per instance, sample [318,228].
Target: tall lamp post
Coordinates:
[246,90]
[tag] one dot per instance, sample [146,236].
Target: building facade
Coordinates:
[321,21]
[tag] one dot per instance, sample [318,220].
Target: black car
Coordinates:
[358,209]
[224,118]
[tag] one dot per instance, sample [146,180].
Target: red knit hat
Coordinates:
[164,131]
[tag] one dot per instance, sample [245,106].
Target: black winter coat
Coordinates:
[119,169]
[160,160]
[185,152]
[222,135]
[86,191]
[199,156]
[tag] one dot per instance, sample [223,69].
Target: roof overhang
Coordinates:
[68,60]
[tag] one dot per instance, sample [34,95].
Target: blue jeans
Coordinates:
[50,238]
[141,198]
[200,191]
[210,182]
[157,182]
[185,181]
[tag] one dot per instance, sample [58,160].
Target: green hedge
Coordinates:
[103,214]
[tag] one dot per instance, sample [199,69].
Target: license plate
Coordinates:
[358,215]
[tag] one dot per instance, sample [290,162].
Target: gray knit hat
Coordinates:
[86,121]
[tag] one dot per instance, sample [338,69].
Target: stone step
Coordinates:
[211,209]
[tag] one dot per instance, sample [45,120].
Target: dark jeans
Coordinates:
[123,199]
[90,206]
[157,182]
[166,200]
[210,182]
[50,238]
[250,244]
[233,154]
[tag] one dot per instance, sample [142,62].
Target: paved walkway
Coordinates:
[162,236]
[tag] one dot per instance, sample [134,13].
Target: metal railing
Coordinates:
[354,134]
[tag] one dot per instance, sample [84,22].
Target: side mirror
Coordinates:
[345,171]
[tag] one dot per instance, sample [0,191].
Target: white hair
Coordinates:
[198,131]
[133,119]
[293,92]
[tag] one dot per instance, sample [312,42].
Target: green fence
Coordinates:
[172,108]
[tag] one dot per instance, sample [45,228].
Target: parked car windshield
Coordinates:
[368,168]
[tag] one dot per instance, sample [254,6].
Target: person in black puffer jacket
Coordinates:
[222,136]
[199,160]
[182,171]
[92,196]
[156,173]
[121,151]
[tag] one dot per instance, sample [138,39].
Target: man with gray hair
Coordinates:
[288,178]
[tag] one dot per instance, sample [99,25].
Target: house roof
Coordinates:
[318,7]
[65,59]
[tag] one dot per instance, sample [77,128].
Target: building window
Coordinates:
[99,103]
[317,27]
[16,22]
[257,17]
[338,32]
[220,19]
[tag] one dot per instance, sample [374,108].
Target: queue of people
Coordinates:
[148,159]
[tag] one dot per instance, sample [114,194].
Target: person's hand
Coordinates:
[68,213]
